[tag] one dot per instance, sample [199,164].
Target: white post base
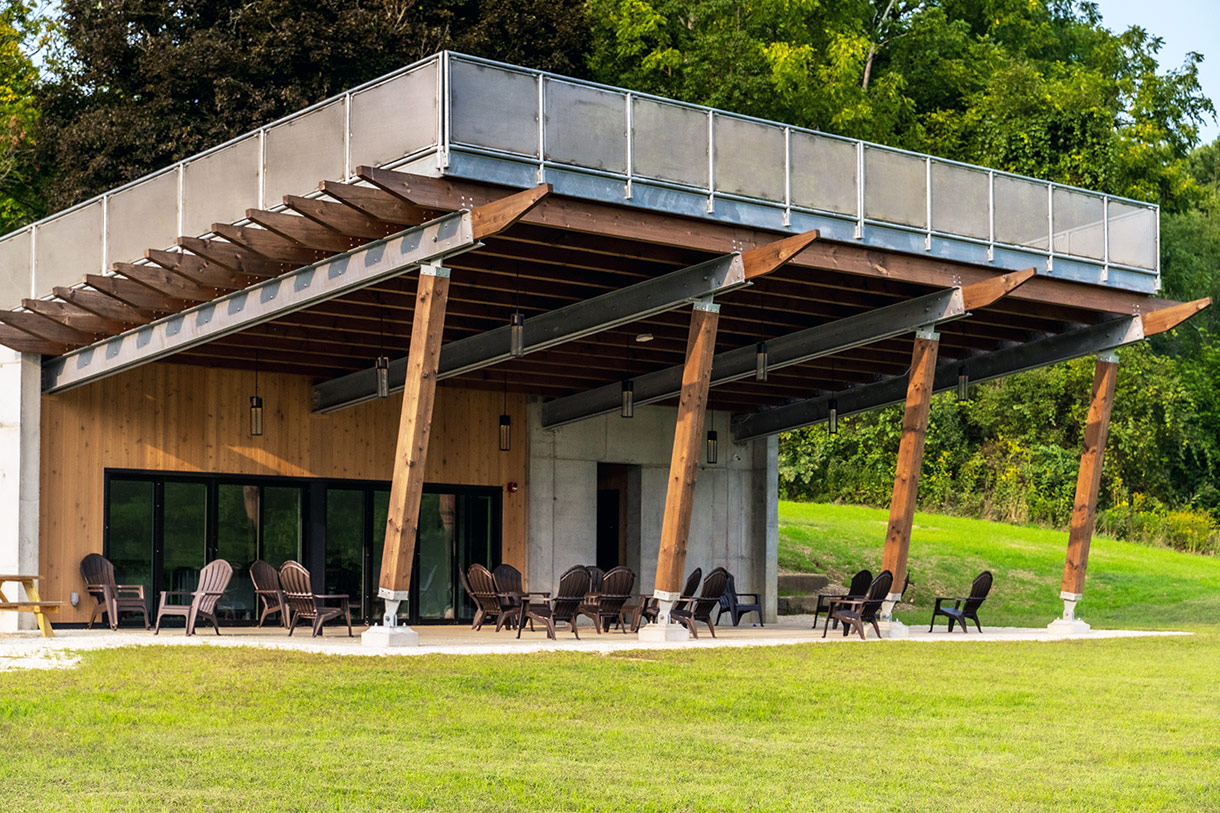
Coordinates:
[663,633]
[1067,624]
[386,637]
[892,629]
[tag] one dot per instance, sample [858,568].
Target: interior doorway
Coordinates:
[618,514]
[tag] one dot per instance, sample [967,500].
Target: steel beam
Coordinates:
[549,329]
[794,348]
[1001,363]
[267,300]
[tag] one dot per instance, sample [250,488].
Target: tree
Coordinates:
[21,33]
[139,84]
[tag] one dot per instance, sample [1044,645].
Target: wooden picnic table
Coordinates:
[33,603]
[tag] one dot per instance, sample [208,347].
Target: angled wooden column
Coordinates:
[414,427]
[1088,482]
[684,463]
[910,460]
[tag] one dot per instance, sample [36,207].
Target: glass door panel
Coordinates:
[238,508]
[282,531]
[434,559]
[345,531]
[131,524]
[478,533]
[184,536]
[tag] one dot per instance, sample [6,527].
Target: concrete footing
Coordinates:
[894,629]
[663,633]
[1063,627]
[380,637]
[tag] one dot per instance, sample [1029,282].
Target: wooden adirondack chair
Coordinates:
[213,581]
[694,609]
[964,608]
[605,607]
[486,599]
[855,613]
[732,604]
[112,599]
[857,589]
[267,587]
[303,602]
[564,607]
[648,609]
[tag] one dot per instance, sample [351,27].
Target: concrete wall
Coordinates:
[734,522]
[19,464]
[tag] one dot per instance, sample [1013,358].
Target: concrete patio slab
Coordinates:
[28,650]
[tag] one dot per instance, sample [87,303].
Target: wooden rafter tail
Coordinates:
[989,291]
[303,231]
[492,218]
[1168,318]
[105,306]
[43,328]
[198,270]
[377,203]
[763,260]
[135,294]
[267,244]
[73,316]
[158,279]
[339,218]
[23,342]
[233,257]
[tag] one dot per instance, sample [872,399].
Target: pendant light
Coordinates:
[628,408]
[761,359]
[516,325]
[713,447]
[963,384]
[832,417]
[256,405]
[506,422]
[383,361]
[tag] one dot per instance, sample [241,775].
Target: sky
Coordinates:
[1185,25]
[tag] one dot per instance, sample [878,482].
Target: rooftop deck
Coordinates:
[468,118]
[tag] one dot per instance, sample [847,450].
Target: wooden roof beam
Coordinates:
[378,203]
[237,259]
[135,294]
[156,278]
[268,244]
[340,218]
[303,231]
[24,342]
[74,316]
[40,326]
[197,269]
[107,307]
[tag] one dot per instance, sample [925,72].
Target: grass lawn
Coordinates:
[1128,585]
[1080,725]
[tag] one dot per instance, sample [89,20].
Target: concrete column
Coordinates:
[20,447]
[764,533]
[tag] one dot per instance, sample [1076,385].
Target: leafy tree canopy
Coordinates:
[1037,87]
[139,84]
[22,33]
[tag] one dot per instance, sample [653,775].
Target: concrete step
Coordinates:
[796,605]
[802,583]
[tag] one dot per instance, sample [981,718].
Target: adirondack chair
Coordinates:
[699,608]
[512,594]
[303,602]
[213,581]
[648,609]
[857,589]
[112,599]
[856,612]
[605,607]
[732,604]
[267,588]
[565,607]
[964,608]
[486,599]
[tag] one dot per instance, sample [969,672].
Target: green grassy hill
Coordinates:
[1128,585]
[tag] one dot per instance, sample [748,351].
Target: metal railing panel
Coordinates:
[749,158]
[220,186]
[585,127]
[395,118]
[140,217]
[895,187]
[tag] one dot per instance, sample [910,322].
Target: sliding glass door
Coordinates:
[162,528]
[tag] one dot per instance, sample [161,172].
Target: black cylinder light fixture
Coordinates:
[713,447]
[516,335]
[761,360]
[256,405]
[832,417]
[383,376]
[963,384]
[628,408]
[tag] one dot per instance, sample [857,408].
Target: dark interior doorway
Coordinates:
[612,499]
